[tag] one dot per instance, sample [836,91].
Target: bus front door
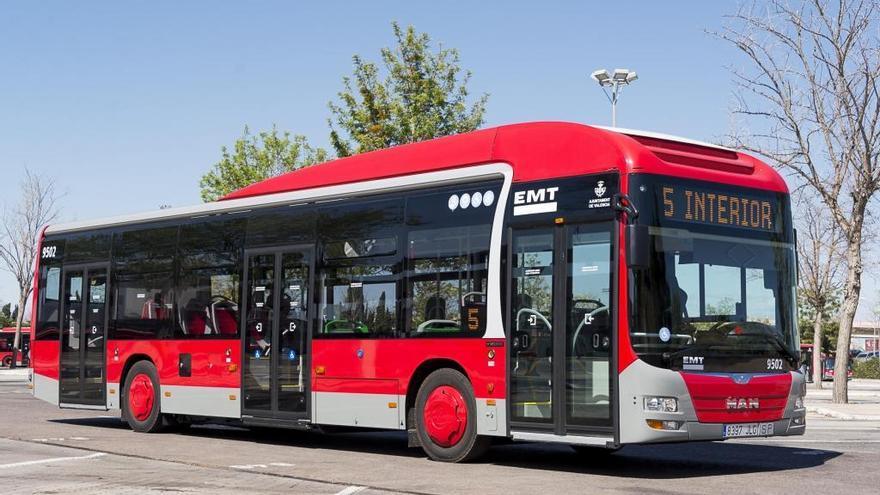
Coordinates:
[275,334]
[82,364]
[560,329]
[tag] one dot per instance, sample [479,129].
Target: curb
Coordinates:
[831,413]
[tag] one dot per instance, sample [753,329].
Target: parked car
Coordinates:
[866,355]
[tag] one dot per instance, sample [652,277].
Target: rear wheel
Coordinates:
[140,406]
[446,418]
[7,362]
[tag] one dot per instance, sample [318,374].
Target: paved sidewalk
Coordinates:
[864,401]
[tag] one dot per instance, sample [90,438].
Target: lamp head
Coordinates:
[602,77]
[620,75]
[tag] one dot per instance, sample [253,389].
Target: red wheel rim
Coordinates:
[445,416]
[141,396]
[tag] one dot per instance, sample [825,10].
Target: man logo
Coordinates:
[741,403]
[600,189]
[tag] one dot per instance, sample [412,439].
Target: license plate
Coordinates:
[748,430]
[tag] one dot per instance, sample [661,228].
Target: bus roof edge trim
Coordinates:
[305,196]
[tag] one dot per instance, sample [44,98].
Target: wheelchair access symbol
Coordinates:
[291,355]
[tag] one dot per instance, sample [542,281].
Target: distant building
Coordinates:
[866,335]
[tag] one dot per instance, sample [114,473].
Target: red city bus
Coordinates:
[7,339]
[542,282]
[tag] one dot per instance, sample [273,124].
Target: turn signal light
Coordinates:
[319,370]
[663,425]
[232,368]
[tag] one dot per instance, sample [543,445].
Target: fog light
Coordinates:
[663,424]
[661,404]
[798,421]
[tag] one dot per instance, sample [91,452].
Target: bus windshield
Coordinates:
[717,291]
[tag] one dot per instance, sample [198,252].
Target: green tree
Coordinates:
[257,157]
[829,322]
[421,95]
[7,315]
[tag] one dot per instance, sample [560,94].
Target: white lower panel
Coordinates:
[113,394]
[200,401]
[350,409]
[45,388]
[492,417]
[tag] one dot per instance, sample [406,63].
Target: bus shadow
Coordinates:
[95,422]
[669,461]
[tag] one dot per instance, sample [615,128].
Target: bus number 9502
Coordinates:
[49,252]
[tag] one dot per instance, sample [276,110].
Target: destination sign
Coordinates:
[687,204]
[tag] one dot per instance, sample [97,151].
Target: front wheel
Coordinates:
[446,418]
[140,406]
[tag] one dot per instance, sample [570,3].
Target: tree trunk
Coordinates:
[817,350]
[19,316]
[851,291]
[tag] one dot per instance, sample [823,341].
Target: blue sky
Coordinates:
[126,106]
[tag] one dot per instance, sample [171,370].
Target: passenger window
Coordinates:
[360,269]
[447,260]
[359,300]
[447,280]
[209,280]
[144,277]
[144,307]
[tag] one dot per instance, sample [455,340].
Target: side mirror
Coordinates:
[638,246]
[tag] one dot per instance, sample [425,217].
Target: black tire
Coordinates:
[471,445]
[7,362]
[153,422]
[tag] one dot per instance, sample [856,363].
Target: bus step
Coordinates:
[293,424]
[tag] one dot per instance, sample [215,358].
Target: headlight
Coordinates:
[799,403]
[661,404]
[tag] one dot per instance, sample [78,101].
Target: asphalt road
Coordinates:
[47,450]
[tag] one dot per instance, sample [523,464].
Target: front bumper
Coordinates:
[641,379]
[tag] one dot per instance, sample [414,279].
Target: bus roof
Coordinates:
[534,151]
[537,150]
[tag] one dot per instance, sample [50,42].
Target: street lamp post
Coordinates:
[616,81]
